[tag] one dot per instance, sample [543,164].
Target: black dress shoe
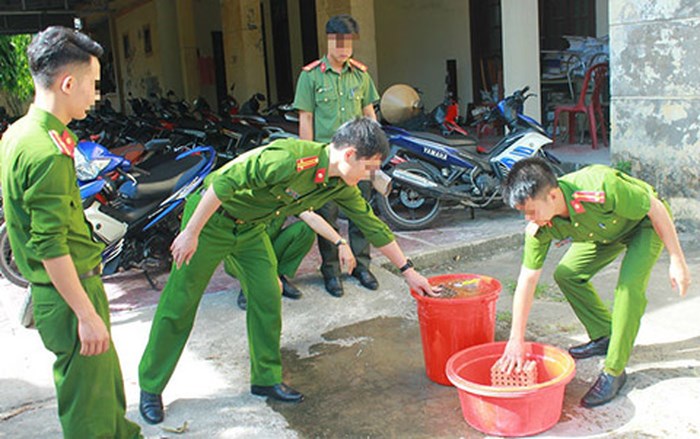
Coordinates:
[279,392]
[334,286]
[242,302]
[595,347]
[151,407]
[289,289]
[604,389]
[366,278]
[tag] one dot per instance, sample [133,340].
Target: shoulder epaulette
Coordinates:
[64,142]
[306,163]
[597,197]
[357,64]
[312,65]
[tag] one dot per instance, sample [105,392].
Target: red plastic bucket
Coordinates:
[450,325]
[511,411]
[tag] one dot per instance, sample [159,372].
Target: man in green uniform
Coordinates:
[604,212]
[286,177]
[291,244]
[331,91]
[52,241]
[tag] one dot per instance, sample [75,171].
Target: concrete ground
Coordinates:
[359,359]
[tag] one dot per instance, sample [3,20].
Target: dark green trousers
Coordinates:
[291,245]
[254,264]
[89,390]
[583,261]
[330,264]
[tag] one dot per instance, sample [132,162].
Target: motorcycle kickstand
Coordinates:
[471,212]
[152,282]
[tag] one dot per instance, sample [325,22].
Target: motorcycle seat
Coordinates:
[454,142]
[162,180]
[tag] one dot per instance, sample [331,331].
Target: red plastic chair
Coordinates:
[592,109]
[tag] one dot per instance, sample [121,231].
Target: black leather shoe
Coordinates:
[334,286]
[151,407]
[242,302]
[604,389]
[289,289]
[595,347]
[366,278]
[279,392]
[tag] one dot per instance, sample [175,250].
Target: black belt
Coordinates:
[223,212]
[97,271]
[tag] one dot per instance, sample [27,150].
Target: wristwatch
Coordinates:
[340,242]
[407,265]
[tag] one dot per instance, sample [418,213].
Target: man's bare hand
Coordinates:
[183,247]
[420,284]
[346,258]
[679,275]
[93,334]
[513,357]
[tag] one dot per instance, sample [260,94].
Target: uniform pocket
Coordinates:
[326,98]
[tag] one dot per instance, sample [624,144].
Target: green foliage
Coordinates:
[15,80]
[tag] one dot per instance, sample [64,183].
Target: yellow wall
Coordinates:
[242,31]
[414,40]
[141,72]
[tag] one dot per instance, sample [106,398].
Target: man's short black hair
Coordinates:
[528,179]
[365,135]
[342,24]
[56,47]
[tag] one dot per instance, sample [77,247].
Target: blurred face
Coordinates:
[81,88]
[340,47]
[353,169]
[540,209]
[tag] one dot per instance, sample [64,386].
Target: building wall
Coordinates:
[414,40]
[141,72]
[655,105]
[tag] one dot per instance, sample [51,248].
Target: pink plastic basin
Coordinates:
[510,411]
[449,325]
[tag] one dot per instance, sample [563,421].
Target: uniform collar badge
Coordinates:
[307,163]
[578,207]
[320,176]
[64,142]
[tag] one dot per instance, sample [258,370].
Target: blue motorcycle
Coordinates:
[430,171]
[134,210]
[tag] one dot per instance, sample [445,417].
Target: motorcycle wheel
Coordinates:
[406,209]
[8,267]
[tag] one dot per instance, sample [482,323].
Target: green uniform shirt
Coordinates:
[333,98]
[604,204]
[43,209]
[286,178]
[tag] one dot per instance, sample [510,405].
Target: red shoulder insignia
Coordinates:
[597,197]
[307,162]
[64,142]
[312,65]
[320,176]
[578,207]
[357,64]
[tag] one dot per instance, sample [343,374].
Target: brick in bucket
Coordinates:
[526,377]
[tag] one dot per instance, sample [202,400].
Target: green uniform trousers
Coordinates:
[89,390]
[290,243]
[330,264]
[583,261]
[254,264]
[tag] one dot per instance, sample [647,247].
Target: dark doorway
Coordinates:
[282,51]
[487,51]
[309,36]
[217,43]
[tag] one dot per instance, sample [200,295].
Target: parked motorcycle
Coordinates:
[430,171]
[135,211]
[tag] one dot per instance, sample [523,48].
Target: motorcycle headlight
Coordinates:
[87,170]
